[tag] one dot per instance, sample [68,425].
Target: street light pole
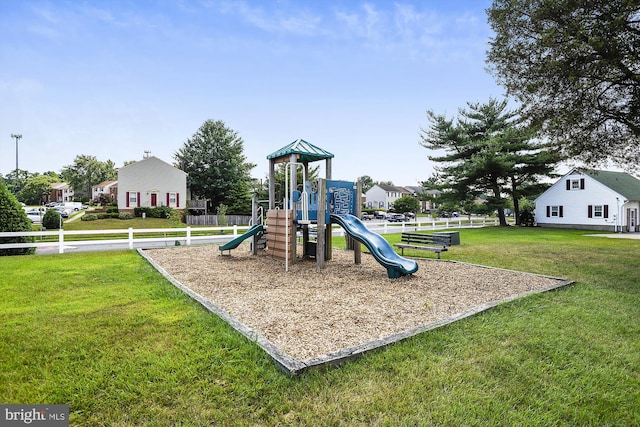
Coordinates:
[18,137]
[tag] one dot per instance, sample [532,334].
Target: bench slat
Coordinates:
[418,240]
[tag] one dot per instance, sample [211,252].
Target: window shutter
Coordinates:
[606,211]
[177,200]
[127,199]
[568,184]
[590,211]
[167,199]
[138,199]
[561,212]
[582,183]
[548,211]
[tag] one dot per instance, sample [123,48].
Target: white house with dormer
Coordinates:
[151,183]
[591,199]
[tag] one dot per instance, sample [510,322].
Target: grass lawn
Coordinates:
[106,334]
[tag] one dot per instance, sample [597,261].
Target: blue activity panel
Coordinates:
[341,199]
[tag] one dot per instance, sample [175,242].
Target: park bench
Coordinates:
[436,243]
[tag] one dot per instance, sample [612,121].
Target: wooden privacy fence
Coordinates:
[217,219]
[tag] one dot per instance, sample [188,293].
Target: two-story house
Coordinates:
[151,182]
[591,199]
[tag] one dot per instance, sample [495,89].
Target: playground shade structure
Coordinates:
[258,228]
[381,250]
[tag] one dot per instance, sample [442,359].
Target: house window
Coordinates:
[133,198]
[598,211]
[554,211]
[575,184]
[172,199]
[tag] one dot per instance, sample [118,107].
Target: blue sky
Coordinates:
[114,78]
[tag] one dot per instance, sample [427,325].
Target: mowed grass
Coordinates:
[105,333]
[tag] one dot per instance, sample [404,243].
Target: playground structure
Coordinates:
[315,206]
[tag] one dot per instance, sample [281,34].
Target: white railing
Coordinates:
[134,238]
[427,224]
[130,240]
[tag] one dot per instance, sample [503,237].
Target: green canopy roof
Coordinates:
[305,151]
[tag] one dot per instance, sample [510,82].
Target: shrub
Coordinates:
[125,215]
[51,220]
[112,209]
[89,217]
[13,218]
[162,212]
[157,212]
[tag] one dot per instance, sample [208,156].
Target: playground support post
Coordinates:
[321,243]
[357,247]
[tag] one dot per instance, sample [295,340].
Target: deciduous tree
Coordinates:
[575,67]
[85,172]
[35,190]
[218,171]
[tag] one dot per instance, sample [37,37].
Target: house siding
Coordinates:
[582,202]
[148,177]
[383,197]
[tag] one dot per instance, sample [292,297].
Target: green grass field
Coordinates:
[108,335]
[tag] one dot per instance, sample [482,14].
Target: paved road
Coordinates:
[124,244]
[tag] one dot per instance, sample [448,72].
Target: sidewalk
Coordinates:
[618,235]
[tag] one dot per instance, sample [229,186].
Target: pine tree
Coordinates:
[489,152]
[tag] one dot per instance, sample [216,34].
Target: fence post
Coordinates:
[188,235]
[235,230]
[130,238]
[61,241]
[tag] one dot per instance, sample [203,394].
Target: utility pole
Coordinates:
[18,137]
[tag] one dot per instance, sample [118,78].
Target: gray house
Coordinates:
[151,183]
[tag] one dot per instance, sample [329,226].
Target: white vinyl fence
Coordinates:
[95,240]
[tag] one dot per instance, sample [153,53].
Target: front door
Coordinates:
[633,219]
[154,200]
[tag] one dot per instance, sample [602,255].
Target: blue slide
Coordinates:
[236,242]
[381,250]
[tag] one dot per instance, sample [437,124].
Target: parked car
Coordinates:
[380,215]
[35,216]
[366,216]
[64,212]
[396,218]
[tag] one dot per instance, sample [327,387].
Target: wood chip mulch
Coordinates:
[309,313]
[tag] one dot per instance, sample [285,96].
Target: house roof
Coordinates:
[59,185]
[619,182]
[150,159]
[306,152]
[106,183]
[393,188]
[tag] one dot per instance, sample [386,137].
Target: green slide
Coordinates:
[258,228]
